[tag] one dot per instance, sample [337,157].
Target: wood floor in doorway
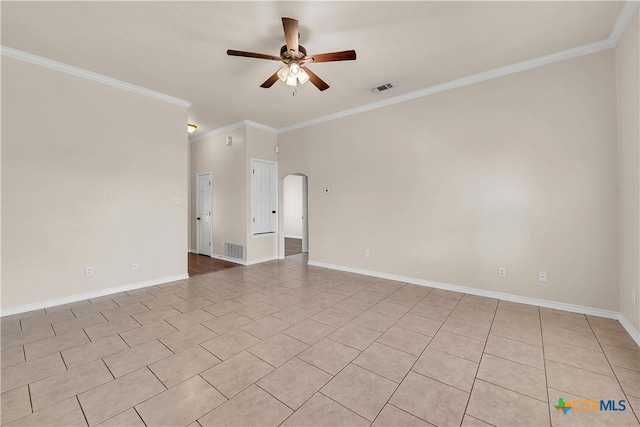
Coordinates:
[202,264]
[292,246]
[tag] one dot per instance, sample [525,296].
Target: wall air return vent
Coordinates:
[382,88]
[233,250]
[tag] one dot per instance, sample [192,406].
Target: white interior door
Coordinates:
[204,213]
[264,195]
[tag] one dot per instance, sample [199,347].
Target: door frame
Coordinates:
[305,213]
[198,175]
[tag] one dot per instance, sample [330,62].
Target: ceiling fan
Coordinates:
[295,58]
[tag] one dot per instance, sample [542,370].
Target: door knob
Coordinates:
[198,218]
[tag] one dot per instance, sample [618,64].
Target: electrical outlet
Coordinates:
[542,276]
[366,253]
[502,272]
[88,271]
[177,201]
[134,265]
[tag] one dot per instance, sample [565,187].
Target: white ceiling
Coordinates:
[179,48]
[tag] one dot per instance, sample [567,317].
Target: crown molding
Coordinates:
[625,16]
[219,131]
[233,126]
[10,52]
[465,81]
[260,126]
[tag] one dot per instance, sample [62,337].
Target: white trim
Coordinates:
[629,327]
[95,294]
[225,258]
[219,131]
[233,126]
[210,174]
[293,237]
[622,21]
[261,260]
[475,291]
[256,125]
[263,235]
[625,16]
[89,75]
[193,251]
[242,262]
[453,84]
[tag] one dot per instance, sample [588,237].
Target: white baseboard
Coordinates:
[243,262]
[293,237]
[630,329]
[261,260]
[94,294]
[233,260]
[480,292]
[193,251]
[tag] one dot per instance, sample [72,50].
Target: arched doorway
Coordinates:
[295,214]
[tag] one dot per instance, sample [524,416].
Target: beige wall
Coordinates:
[89,173]
[517,172]
[230,166]
[628,70]
[229,181]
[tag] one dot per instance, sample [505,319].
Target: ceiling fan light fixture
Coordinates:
[294,69]
[303,77]
[191,128]
[292,80]
[283,73]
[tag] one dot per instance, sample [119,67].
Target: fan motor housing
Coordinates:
[286,54]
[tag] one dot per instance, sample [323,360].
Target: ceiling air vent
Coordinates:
[379,89]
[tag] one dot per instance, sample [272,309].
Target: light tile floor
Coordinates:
[286,344]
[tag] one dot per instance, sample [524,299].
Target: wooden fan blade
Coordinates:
[346,55]
[317,81]
[290,26]
[270,81]
[231,52]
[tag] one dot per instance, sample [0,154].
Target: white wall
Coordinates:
[292,208]
[517,172]
[89,173]
[628,72]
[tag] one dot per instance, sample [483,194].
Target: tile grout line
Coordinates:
[633,411]
[546,376]
[82,409]
[450,315]
[30,399]
[361,351]
[137,413]
[475,378]
[418,358]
